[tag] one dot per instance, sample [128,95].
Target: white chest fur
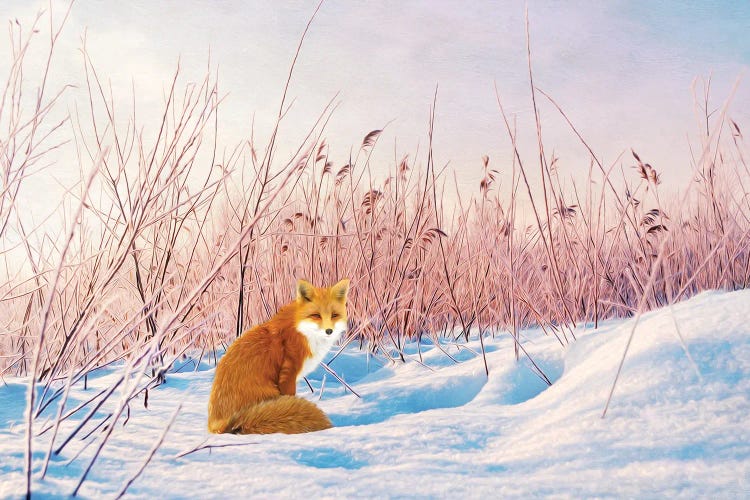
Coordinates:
[319,341]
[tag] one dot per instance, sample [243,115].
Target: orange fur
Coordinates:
[256,380]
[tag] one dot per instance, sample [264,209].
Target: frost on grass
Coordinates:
[170,242]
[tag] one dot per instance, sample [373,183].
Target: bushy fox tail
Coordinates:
[287,414]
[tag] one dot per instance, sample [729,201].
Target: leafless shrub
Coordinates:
[187,246]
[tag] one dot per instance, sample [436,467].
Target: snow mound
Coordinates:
[677,425]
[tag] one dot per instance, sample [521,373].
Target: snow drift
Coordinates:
[677,425]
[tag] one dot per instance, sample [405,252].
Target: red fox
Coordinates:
[256,379]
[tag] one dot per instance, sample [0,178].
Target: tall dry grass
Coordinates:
[174,243]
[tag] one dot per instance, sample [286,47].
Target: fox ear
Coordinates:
[304,290]
[340,290]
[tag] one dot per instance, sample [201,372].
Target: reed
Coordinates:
[173,243]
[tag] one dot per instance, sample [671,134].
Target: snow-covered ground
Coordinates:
[439,429]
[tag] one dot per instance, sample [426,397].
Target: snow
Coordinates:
[436,428]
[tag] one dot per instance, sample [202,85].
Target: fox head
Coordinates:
[321,312]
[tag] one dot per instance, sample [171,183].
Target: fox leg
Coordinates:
[288,378]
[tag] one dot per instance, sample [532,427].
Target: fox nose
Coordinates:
[329,331]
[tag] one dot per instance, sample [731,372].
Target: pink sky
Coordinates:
[621,70]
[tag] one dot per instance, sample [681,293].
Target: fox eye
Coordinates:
[334,316]
[315,316]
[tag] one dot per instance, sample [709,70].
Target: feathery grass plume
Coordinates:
[173,259]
